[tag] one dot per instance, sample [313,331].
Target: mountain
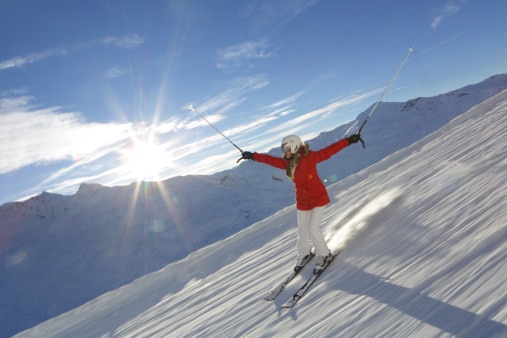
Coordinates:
[59,252]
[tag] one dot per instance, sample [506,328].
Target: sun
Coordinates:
[144,160]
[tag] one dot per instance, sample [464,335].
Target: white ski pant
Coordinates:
[309,229]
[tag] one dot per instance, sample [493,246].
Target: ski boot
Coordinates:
[302,260]
[322,262]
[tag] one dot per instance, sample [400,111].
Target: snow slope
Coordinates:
[424,241]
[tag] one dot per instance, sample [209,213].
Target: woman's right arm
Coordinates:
[273,161]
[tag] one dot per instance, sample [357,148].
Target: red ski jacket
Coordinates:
[310,191]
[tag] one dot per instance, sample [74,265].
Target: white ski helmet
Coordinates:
[292,143]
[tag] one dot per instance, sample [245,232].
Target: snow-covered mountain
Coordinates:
[434,211]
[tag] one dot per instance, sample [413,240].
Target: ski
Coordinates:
[276,291]
[306,286]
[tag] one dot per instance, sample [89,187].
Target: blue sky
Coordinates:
[98,91]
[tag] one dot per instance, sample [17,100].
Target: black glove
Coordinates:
[247,155]
[353,138]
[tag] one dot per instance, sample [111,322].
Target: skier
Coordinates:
[300,164]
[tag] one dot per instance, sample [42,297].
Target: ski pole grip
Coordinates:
[362,141]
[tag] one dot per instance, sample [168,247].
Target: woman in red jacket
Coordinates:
[300,164]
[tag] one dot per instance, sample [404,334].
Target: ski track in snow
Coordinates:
[425,245]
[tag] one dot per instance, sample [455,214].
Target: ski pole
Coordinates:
[211,125]
[410,50]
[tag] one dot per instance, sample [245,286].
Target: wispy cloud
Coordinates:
[31,136]
[130,41]
[286,101]
[457,36]
[264,130]
[12,104]
[20,61]
[235,55]
[263,14]
[115,72]
[315,117]
[234,95]
[449,9]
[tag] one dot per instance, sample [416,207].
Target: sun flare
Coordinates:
[144,159]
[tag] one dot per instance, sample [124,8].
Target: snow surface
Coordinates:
[423,233]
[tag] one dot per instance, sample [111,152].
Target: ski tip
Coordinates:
[272,295]
[290,303]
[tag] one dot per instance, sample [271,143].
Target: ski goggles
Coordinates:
[286,147]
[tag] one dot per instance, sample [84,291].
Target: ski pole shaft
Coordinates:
[211,125]
[410,50]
